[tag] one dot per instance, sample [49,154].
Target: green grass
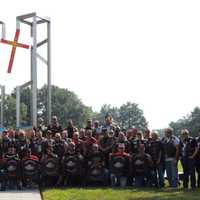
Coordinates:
[120,194]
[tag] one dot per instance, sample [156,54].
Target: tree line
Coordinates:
[66,105]
[190,122]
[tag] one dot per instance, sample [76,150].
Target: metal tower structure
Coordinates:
[32,20]
[2,88]
[2,105]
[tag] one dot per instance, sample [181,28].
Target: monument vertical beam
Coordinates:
[2,105]
[34,72]
[18,106]
[49,72]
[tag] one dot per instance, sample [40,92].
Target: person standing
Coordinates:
[189,149]
[156,152]
[54,127]
[171,152]
[197,158]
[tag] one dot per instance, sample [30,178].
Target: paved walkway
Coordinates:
[20,195]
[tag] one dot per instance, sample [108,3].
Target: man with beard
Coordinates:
[89,125]
[106,144]
[22,144]
[108,123]
[64,136]
[79,144]
[30,169]
[142,167]
[132,139]
[54,127]
[97,174]
[82,134]
[121,139]
[72,167]
[37,144]
[89,141]
[49,141]
[189,150]
[120,166]
[50,168]
[5,142]
[13,170]
[59,146]
[70,128]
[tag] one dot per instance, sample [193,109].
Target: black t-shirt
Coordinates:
[70,131]
[55,129]
[155,149]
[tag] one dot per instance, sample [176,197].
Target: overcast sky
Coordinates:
[111,51]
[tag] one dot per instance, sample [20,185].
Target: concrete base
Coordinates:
[20,195]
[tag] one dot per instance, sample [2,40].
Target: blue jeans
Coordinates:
[118,180]
[172,172]
[139,181]
[158,178]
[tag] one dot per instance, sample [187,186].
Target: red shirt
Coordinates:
[32,157]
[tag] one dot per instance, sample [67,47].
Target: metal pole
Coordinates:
[18,106]
[2,104]
[3,30]
[49,72]
[34,73]
[1,107]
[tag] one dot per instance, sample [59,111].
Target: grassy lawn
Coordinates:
[120,194]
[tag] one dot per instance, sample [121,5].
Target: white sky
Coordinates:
[111,51]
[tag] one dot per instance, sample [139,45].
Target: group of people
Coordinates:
[97,155]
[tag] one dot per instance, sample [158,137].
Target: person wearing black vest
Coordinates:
[72,167]
[189,149]
[13,170]
[156,152]
[120,163]
[59,146]
[22,143]
[198,160]
[54,127]
[2,174]
[171,151]
[50,168]
[142,167]
[147,140]
[37,144]
[71,128]
[5,143]
[96,173]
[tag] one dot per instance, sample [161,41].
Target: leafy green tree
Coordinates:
[190,122]
[130,115]
[127,116]
[65,104]
[10,111]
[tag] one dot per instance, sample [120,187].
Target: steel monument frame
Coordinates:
[32,20]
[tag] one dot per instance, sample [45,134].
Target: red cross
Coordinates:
[14,44]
